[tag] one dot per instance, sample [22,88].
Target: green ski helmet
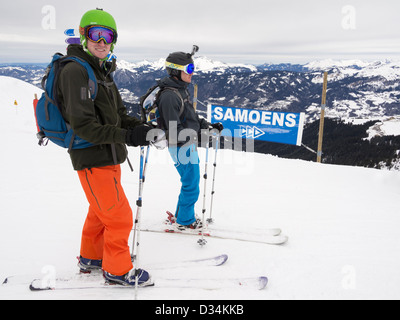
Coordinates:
[97,17]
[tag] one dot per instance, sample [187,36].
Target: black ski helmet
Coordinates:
[180,58]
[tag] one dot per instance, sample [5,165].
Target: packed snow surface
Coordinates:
[343,222]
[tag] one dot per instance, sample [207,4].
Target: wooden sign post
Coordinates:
[321,123]
[195,97]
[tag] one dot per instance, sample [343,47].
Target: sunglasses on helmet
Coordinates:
[98,33]
[188,69]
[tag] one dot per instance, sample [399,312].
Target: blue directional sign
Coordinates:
[280,127]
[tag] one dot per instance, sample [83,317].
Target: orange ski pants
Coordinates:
[109,220]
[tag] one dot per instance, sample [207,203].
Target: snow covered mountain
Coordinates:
[203,65]
[356,89]
[31,73]
[360,90]
[334,217]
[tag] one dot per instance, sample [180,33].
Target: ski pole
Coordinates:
[138,201]
[142,175]
[136,234]
[210,219]
[203,241]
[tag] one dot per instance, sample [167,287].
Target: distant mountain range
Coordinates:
[363,101]
[356,89]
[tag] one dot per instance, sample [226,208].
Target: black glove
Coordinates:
[217,126]
[136,136]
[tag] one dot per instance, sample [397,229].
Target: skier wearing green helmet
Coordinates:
[104,122]
[91,24]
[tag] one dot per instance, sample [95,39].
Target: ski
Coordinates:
[73,41]
[259,231]
[216,261]
[266,236]
[71,32]
[262,231]
[72,36]
[76,284]
[205,262]
[226,235]
[258,283]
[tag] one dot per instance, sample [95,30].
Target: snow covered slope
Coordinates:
[342,222]
[387,127]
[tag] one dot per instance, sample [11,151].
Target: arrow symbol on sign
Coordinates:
[251,132]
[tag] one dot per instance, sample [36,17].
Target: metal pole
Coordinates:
[203,241]
[322,118]
[136,234]
[210,220]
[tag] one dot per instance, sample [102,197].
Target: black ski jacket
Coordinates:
[103,122]
[170,105]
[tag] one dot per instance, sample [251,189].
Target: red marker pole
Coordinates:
[35,102]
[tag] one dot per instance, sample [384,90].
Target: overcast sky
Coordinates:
[237,31]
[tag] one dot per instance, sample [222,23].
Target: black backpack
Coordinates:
[149,105]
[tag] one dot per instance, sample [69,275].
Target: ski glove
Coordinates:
[137,136]
[217,126]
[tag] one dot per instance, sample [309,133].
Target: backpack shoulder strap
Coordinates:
[92,78]
[179,95]
[49,68]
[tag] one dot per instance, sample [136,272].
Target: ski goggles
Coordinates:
[188,69]
[98,33]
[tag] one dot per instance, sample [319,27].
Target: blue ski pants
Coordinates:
[186,161]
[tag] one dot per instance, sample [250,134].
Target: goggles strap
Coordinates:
[189,68]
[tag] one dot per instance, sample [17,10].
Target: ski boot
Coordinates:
[129,279]
[89,265]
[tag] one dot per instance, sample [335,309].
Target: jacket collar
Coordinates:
[77,50]
[173,82]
